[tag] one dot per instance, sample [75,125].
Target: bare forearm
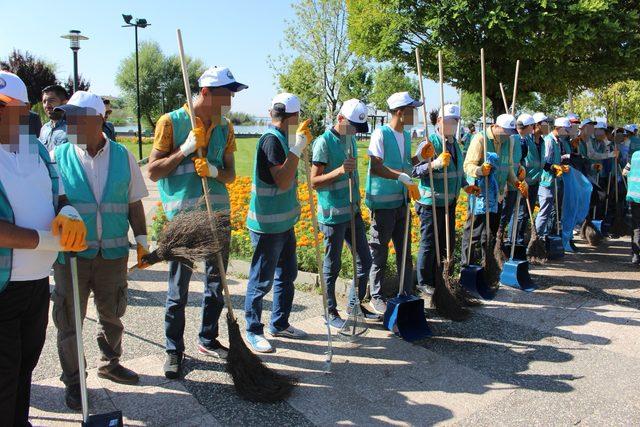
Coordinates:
[227,174]
[378,168]
[15,237]
[137,219]
[161,164]
[284,174]
[319,179]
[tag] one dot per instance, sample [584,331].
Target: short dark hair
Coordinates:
[58,90]
[395,110]
[472,126]
[106,101]
[278,113]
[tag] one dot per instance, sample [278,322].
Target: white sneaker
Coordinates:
[259,343]
[290,332]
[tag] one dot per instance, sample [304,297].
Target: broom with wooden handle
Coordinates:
[252,379]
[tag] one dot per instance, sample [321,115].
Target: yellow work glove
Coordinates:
[70,228]
[414,191]
[472,190]
[556,169]
[142,249]
[194,142]
[597,167]
[522,173]
[425,151]
[203,168]
[442,161]
[485,169]
[303,137]
[524,189]
[565,168]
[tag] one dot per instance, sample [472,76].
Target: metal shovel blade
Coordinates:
[405,318]
[354,326]
[472,279]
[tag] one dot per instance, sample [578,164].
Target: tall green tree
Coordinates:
[561,43]
[619,103]
[36,73]
[389,79]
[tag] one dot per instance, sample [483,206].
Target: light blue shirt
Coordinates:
[53,135]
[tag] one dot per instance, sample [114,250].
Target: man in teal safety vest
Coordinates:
[176,163]
[498,137]
[389,187]
[36,223]
[530,137]
[334,161]
[273,212]
[104,183]
[632,172]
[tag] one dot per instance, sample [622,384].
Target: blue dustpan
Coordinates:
[515,273]
[405,318]
[472,279]
[601,225]
[555,249]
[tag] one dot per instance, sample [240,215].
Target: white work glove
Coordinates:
[194,141]
[303,137]
[47,242]
[405,179]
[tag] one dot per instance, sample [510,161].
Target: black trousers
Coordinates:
[24,313]
[479,235]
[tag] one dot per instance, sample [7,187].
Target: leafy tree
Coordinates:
[240,118]
[561,43]
[388,80]
[34,72]
[619,103]
[358,84]
[83,84]
[471,107]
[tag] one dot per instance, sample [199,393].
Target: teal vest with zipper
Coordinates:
[384,193]
[547,176]
[6,211]
[272,210]
[113,208]
[633,179]
[455,174]
[505,163]
[533,161]
[182,188]
[333,199]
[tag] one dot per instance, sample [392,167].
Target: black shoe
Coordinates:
[72,397]
[368,315]
[119,374]
[173,365]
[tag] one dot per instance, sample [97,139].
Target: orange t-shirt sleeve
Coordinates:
[163,137]
[231,140]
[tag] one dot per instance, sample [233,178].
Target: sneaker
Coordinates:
[335,321]
[173,365]
[378,306]
[215,349]
[366,314]
[119,374]
[290,332]
[259,343]
[72,397]
[426,290]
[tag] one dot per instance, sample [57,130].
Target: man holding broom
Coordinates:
[273,212]
[104,183]
[388,188]
[498,138]
[531,137]
[332,165]
[176,164]
[632,172]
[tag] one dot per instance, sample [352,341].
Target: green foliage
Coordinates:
[471,107]
[561,43]
[619,103]
[156,71]
[83,84]
[240,118]
[358,84]
[34,72]
[388,80]
[158,221]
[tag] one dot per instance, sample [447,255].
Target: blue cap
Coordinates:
[587,122]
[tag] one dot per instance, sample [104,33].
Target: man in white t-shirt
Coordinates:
[31,235]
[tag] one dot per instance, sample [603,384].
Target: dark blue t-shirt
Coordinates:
[270,154]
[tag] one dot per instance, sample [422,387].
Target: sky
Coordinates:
[240,35]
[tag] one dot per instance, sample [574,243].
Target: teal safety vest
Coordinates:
[516,156]
[634,145]
[6,212]
[548,176]
[533,161]
[455,174]
[384,193]
[272,210]
[333,199]
[633,179]
[182,188]
[113,208]
[502,173]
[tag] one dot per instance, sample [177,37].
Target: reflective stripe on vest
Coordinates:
[184,204]
[384,193]
[333,199]
[183,185]
[114,206]
[270,209]
[455,173]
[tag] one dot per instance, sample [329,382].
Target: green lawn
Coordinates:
[132,145]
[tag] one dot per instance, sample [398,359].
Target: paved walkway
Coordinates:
[565,354]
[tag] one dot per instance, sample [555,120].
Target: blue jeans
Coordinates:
[334,237]
[427,251]
[274,264]
[546,219]
[177,298]
[523,215]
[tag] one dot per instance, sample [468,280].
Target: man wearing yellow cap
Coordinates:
[31,235]
[176,163]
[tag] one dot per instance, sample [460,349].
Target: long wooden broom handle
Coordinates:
[444,150]
[354,250]
[426,133]
[205,183]
[484,141]
[515,88]
[533,225]
[504,98]
[555,189]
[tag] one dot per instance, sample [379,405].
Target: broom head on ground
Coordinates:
[590,233]
[444,299]
[490,267]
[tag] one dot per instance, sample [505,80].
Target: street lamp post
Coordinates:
[74,38]
[138,23]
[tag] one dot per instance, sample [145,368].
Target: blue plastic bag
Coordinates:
[575,203]
[494,189]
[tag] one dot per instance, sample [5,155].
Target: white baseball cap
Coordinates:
[525,120]
[573,118]
[220,77]
[402,99]
[83,103]
[630,128]
[355,111]
[601,124]
[562,122]
[12,88]
[286,103]
[540,117]
[507,122]
[451,111]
